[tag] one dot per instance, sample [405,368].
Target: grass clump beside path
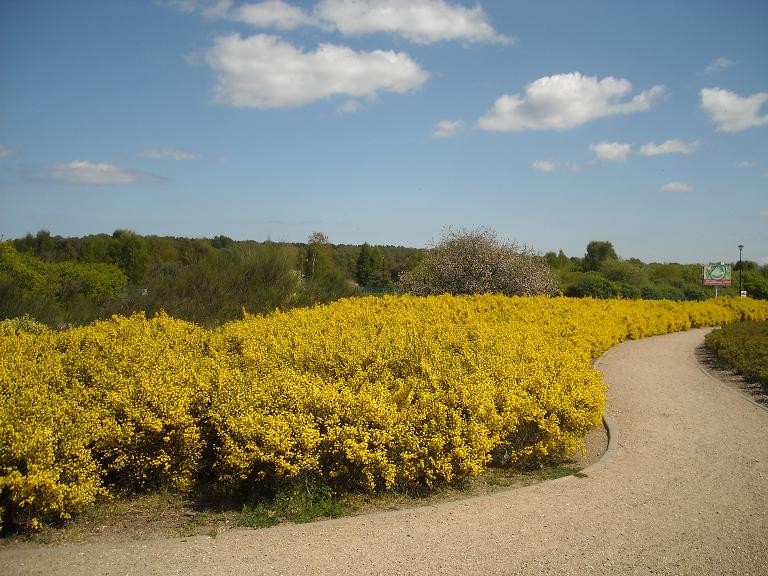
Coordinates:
[743,346]
[165,514]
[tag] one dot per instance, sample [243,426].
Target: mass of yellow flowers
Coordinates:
[361,394]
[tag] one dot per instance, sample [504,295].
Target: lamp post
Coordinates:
[741,286]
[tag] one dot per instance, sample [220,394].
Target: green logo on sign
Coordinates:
[717,274]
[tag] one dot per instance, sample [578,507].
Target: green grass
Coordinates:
[257,516]
[168,515]
[299,504]
[742,346]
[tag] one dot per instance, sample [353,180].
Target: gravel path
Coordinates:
[683,491]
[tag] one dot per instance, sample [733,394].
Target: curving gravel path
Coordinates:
[684,490]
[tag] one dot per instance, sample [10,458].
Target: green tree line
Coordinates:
[75,280]
[601,273]
[208,281]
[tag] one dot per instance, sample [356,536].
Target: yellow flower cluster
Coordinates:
[46,469]
[360,394]
[147,382]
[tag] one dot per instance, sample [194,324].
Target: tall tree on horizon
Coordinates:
[598,251]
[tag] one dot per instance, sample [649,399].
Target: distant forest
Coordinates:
[62,281]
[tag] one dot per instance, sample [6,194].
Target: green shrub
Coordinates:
[744,347]
[592,284]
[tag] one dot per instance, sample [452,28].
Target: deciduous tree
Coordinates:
[598,251]
[477,262]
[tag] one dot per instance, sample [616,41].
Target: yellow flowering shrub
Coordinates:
[46,468]
[25,323]
[361,394]
[148,382]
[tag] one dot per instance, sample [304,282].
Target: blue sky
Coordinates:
[552,122]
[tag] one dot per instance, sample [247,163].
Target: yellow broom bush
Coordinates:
[361,394]
[46,466]
[147,382]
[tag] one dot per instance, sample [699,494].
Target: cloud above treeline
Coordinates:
[718,65]
[270,14]
[83,172]
[619,152]
[677,187]
[418,21]
[674,146]
[447,129]
[267,71]
[264,71]
[565,101]
[545,166]
[731,112]
[611,152]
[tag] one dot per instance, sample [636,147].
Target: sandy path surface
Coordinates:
[683,491]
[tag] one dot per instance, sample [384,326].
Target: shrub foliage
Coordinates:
[361,394]
[744,347]
[477,262]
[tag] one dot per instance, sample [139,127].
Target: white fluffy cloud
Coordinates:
[565,101]
[718,65]
[168,153]
[447,129]
[673,146]
[544,166]
[731,112]
[613,152]
[264,71]
[420,21]
[274,13]
[677,187]
[87,173]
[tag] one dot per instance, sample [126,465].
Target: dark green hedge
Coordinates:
[744,347]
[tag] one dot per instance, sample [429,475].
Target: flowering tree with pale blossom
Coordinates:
[477,262]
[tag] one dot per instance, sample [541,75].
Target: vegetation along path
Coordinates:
[683,489]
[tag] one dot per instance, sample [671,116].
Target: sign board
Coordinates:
[717,274]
